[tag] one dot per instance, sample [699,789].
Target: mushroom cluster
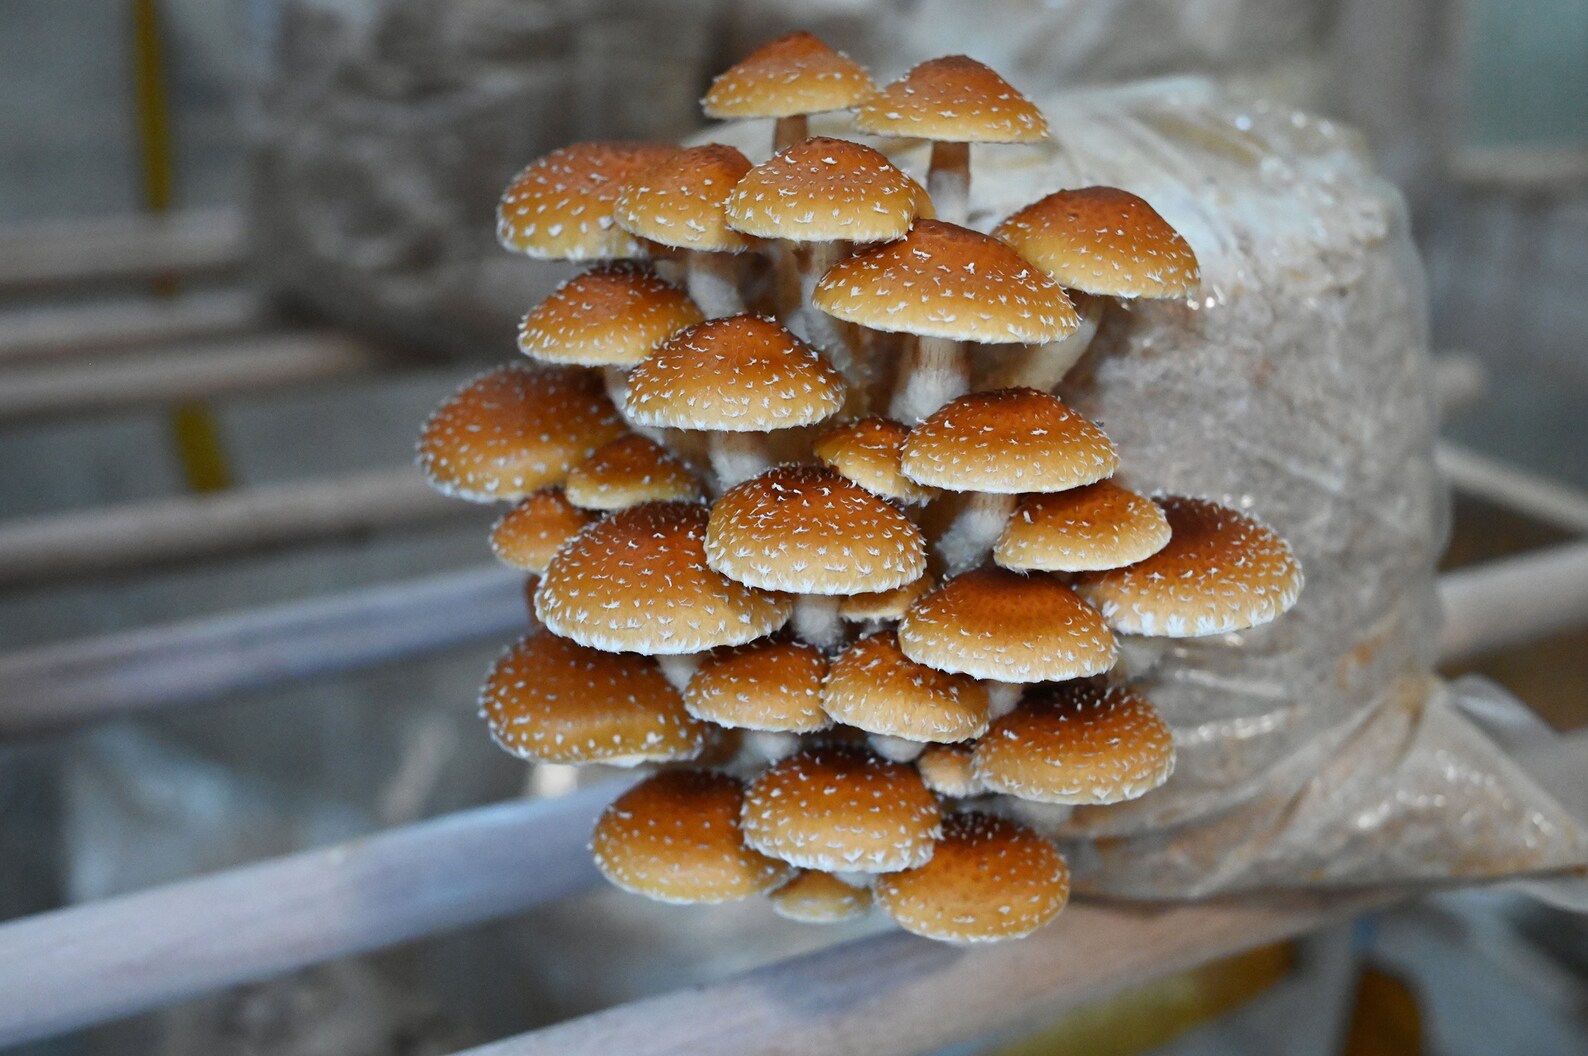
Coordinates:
[860,608]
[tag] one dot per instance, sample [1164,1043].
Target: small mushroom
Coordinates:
[629,471]
[874,687]
[1098,526]
[868,452]
[947,770]
[560,207]
[788,79]
[768,686]
[528,535]
[815,897]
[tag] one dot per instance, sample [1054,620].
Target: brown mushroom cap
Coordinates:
[612,315]
[837,808]
[743,373]
[794,74]
[1007,626]
[1081,743]
[628,471]
[946,769]
[638,581]
[1104,241]
[954,98]
[1222,571]
[560,207]
[875,687]
[945,281]
[530,533]
[988,879]
[1098,526]
[808,530]
[1007,442]
[766,685]
[554,701]
[868,453]
[514,430]
[682,202]
[825,190]
[885,604]
[675,837]
[815,897]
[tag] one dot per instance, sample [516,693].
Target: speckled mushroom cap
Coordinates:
[885,604]
[638,581]
[627,472]
[1222,571]
[815,897]
[946,281]
[833,808]
[1009,627]
[825,190]
[739,374]
[766,685]
[675,837]
[560,207]
[808,530]
[988,879]
[954,98]
[794,74]
[682,201]
[1098,526]
[868,452]
[515,430]
[1105,241]
[874,687]
[1006,442]
[553,701]
[530,533]
[612,315]
[946,769]
[1080,743]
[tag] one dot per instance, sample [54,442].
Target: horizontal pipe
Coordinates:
[1530,494]
[39,333]
[126,247]
[1504,603]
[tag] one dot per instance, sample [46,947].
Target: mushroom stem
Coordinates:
[678,668]
[770,745]
[736,457]
[1138,655]
[969,538]
[1002,697]
[948,181]
[790,130]
[895,749]
[935,373]
[835,338]
[816,620]
[550,780]
[714,283]
[1042,367]
[617,384]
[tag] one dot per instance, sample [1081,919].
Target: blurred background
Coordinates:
[246,245]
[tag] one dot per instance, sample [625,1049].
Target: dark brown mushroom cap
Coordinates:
[560,207]
[811,531]
[515,430]
[874,687]
[794,74]
[638,581]
[766,685]
[825,190]
[553,701]
[941,280]
[1009,627]
[612,315]
[675,837]
[1222,571]
[988,879]
[953,98]
[530,533]
[1007,441]
[1098,526]
[868,452]
[1104,241]
[629,471]
[682,202]
[815,897]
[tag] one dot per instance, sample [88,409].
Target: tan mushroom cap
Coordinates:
[638,582]
[766,685]
[794,74]
[612,315]
[868,452]
[1104,241]
[1006,442]
[1221,572]
[954,98]
[554,701]
[1098,526]
[1009,627]
[947,770]
[874,687]
[885,604]
[530,533]
[835,808]
[682,202]
[941,280]
[815,897]
[1081,743]
[742,373]
[675,837]
[627,472]
[515,430]
[988,879]
[825,190]
[808,530]
[560,207]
